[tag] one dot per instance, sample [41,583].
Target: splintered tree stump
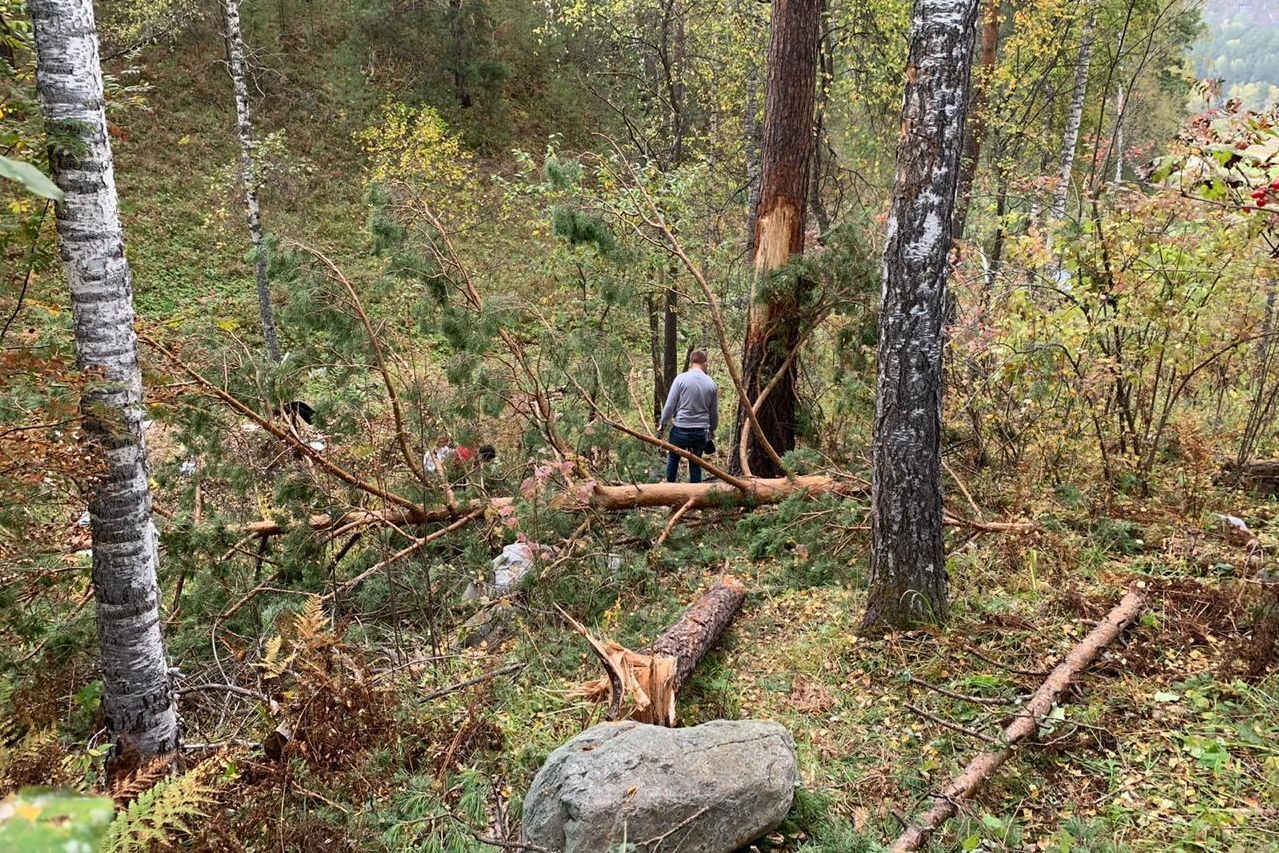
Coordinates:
[643,685]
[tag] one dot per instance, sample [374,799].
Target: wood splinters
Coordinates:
[643,685]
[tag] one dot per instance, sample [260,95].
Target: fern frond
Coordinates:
[166,812]
[311,622]
[127,788]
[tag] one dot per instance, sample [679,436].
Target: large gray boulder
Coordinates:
[707,789]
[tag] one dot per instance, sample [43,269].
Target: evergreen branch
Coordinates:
[282,434]
[397,412]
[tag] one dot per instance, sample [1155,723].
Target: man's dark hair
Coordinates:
[697,356]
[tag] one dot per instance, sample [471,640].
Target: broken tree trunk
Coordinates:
[1025,726]
[643,685]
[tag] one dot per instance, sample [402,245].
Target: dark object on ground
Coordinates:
[298,409]
[707,789]
[1261,476]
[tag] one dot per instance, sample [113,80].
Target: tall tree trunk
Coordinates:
[772,328]
[908,566]
[1070,139]
[138,697]
[252,211]
[457,33]
[821,148]
[670,339]
[1121,107]
[655,355]
[987,57]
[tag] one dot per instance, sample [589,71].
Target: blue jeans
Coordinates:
[692,440]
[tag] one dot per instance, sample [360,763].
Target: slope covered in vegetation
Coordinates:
[506,223]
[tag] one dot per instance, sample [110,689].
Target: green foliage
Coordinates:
[39,820]
[31,178]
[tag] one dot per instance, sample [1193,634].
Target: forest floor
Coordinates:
[1170,743]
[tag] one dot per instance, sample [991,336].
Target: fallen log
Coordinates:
[607,498]
[1024,727]
[643,685]
[700,495]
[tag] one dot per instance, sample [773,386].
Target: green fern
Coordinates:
[165,812]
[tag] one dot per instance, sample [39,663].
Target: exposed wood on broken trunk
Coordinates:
[1024,726]
[643,685]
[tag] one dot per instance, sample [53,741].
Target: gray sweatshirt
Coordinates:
[693,402]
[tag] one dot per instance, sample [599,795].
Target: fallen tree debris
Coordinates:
[643,685]
[1024,726]
[608,498]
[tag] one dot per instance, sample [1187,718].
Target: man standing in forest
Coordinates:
[692,409]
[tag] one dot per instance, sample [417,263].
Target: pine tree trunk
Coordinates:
[139,701]
[772,328]
[1070,139]
[252,211]
[644,685]
[670,339]
[987,57]
[655,356]
[908,569]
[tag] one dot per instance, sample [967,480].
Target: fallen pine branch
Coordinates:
[1024,727]
[947,724]
[347,586]
[479,679]
[648,681]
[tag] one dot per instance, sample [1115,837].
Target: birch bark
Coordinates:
[138,697]
[248,179]
[908,569]
[1070,139]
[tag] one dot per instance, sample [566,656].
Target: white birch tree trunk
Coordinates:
[252,210]
[138,697]
[1070,139]
[908,565]
[1120,108]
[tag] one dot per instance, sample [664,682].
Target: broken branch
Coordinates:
[1025,726]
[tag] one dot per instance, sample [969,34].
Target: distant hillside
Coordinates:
[1241,46]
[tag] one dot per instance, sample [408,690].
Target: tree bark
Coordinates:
[139,702]
[670,340]
[252,210]
[1070,139]
[1024,726]
[772,328]
[457,32]
[609,498]
[644,685]
[655,355]
[1121,108]
[987,58]
[908,569]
